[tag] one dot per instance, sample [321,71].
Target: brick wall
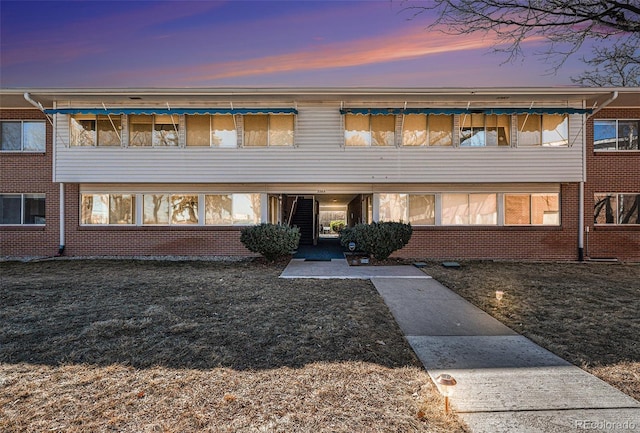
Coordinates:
[30,173]
[617,172]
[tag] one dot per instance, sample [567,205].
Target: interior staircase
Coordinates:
[303,219]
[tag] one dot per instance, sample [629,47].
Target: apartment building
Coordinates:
[493,173]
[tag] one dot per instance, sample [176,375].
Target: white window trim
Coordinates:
[616,149]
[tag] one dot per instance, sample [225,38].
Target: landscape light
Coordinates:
[499,295]
[446,384]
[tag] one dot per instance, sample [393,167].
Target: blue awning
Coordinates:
[398,111]
[167,111]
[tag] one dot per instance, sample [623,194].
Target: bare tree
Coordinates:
[612,66]
[566,25]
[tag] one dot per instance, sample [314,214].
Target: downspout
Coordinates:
[581,228]
[62,241]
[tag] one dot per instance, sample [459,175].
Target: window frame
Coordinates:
[22,123]
[23,197]
[617,211]
[369,139]
[530,195]
[108,210]
[428,118]
[485,128]
[97,119]
[210,134]
[617,137]
[540,131]
[269,137]
[176,129]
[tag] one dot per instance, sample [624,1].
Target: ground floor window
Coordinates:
[167,209]
[22,209]
[460,209]
[531,209]
[108,209]
[611,208]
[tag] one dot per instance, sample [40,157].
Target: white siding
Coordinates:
[318,157]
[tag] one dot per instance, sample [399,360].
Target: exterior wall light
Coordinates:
[446,384]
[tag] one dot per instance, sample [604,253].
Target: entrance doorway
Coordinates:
[320,217]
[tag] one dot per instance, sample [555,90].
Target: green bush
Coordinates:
[270,240]
[378,239]
[336,226]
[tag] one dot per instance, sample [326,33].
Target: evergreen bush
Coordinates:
[270,240]
[377,239]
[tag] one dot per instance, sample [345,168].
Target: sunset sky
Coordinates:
[248,43]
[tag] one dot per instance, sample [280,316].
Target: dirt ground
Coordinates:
[146,346]
[587,313]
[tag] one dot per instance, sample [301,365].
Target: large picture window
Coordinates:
[369,130]
[532,209]
[22,209]
[153,130]
[115,209]
[549,130]
[480,130]
[232,209]
[615,134]
[211,130]
[427,130]
[469,209]
[91,130]
[616,208]
[262,130]
[23,136]
[417,209]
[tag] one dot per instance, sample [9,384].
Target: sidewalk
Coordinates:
[506,383]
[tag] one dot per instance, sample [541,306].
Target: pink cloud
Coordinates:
[405,45]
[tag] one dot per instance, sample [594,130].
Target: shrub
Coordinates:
[378,239]
[336,225]
[270,240]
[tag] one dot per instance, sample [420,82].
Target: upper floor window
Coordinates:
[616,209]
[153,130]
[369,130]
[532,209]
[543,130]
[615,134]
[427,130]
[262,130]
[217,130]
[480,130]
[19,209]
[23,136]
[92,130]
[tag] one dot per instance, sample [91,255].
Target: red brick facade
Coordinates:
[30,173]
[607,172]
[611,172]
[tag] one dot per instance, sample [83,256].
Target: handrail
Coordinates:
[294,206]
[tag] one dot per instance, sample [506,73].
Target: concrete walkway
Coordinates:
[506,383]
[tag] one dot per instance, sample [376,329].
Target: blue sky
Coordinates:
[248,43]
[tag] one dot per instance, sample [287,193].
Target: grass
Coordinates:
[145,346]
[587,313]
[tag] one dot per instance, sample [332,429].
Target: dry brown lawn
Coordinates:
[587,313]
[160,346]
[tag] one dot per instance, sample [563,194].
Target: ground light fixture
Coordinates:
[499,295]
[446,384]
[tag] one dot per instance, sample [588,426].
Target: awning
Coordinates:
[398,111]
[168,111]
